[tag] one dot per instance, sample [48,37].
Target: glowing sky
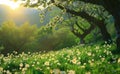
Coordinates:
[11,4]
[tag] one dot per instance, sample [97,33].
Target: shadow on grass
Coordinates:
[116,51]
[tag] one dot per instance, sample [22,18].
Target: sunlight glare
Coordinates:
[11,4]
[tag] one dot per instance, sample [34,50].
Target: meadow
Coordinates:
[63,37]
[80,59]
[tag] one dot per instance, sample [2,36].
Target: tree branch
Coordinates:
[79,26]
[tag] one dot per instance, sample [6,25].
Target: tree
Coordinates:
[91,19]
[107,4]
[113,7]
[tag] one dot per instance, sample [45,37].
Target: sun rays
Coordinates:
[11,4]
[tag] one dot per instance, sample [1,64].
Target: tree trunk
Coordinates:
[104,32]
[117,26]
[82,41]
[113,7]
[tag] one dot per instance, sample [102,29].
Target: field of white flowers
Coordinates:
[79,59]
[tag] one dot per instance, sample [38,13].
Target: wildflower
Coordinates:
[16,73]
[84,63]
[23,72]
[74,61]
[110,46]
[8,72]
[37,68]
[79,63]
[1,69]
[89,53]
[71,72]
[87,73]
[66,63]
[4,71]
[93,60]
[97,47]
[91,64]
[78,53]
[27,65]
[20,68]
[82,66]
[16,52]
[102,59]
[38,63]
[21,65]
[48,68]
[58,64]
[47,63]
[24,69]
[33,65]
[28,52]
[79,58]
[89,61]
[105,42]
[56,71]
[51,71]
[119,60]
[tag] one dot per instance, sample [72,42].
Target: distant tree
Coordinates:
[14,37]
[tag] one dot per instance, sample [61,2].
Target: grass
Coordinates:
[81,59]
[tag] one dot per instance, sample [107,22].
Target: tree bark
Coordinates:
[117,26]
[113,7]
[104,32]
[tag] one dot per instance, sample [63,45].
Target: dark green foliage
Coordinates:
[52,38]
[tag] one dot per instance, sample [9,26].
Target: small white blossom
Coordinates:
[71,72]
[89,53]
[47,63]
[88,73]
[21,65]
[119,60]
[74,61]
[1,69]
[27,65]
